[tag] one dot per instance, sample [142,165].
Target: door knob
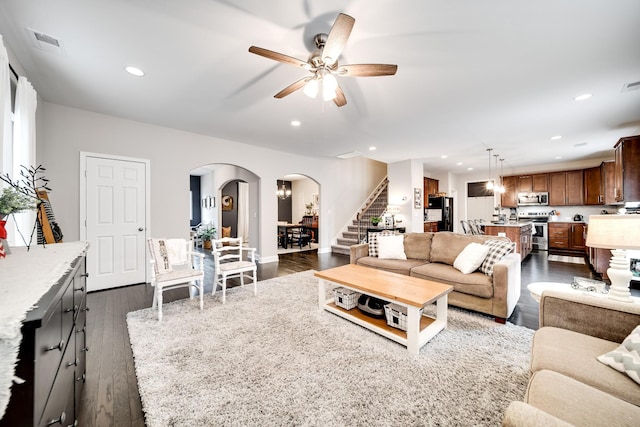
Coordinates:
[140,229]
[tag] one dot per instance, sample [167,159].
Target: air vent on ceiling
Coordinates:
[45,41]
[631,86]
[349,155]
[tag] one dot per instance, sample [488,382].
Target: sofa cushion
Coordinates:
[446,245]
[391,247]
[373,241]
[577,403]
[392,265]
[471,258]
[498,249]
[626,358]
[575,355]
[477,284]
[418,245]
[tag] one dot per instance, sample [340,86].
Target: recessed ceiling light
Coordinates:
[134,71]
[444,156]
[295,123]
[582,97]
[372,148]
[469,169]
[459,164]
[556,137]
[557,157]
[580,144]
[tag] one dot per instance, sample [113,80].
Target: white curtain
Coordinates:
[6,156]
[243,211]
[24,146]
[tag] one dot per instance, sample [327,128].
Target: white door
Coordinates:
[115,197]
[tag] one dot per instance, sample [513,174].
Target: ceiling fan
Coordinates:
[323,64]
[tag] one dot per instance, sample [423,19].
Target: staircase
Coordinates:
[375,205]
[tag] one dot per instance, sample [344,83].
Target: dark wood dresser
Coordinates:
[51,359]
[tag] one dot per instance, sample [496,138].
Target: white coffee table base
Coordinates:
[417,333]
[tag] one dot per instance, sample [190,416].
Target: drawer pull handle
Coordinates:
[58,346]
[84,275]
[60,420]
[80,289]
[85,349]
[74,309]
[74,363]
[84,329]
[82,378]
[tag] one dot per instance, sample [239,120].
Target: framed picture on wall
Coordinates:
[417,198]
[227,203]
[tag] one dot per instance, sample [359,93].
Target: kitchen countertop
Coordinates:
[507,224]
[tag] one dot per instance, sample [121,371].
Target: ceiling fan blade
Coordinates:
[366,70]
[337,38]
[340,99]
[279,57]
[292,88]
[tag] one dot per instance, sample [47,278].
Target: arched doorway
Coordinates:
[298,204]
[223,195]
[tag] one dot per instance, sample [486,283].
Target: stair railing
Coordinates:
[371,208]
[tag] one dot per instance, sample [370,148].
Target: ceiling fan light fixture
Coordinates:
[311,88]
[329,86]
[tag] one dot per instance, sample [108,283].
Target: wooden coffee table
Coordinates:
[410,292]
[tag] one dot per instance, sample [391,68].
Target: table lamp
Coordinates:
[618,233]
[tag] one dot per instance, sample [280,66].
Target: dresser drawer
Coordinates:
[49,350]
[59,410]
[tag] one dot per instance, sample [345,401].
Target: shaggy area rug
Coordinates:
[274,359]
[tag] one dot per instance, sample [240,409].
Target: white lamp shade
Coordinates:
[614,231]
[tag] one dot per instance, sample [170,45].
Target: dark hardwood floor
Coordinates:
[110,396]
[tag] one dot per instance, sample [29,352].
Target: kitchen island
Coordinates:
[518,232]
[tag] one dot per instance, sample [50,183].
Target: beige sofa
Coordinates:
[568,385]
[431,256]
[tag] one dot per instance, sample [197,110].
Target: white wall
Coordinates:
[343,184]
[302,191]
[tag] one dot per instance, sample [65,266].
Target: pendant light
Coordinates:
[501,188]
[489,181]
[282,192]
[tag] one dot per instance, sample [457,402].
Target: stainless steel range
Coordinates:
[540,219]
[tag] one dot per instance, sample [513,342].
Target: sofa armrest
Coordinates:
[358,251]
[506,285]
[598,316]
[520,414]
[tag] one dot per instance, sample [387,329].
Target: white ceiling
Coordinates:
[471,74]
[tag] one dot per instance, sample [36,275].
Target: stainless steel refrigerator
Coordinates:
[440,209]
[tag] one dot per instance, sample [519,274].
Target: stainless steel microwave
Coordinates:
[533,199]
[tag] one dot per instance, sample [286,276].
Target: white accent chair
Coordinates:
[173,266]
[230,261]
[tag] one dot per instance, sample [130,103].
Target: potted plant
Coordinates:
[207,234]
[375,220]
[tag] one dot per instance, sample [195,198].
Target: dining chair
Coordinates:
[232,260]
[173,266]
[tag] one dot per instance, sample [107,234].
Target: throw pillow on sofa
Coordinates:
[626,358]
[373,241]
[391,247]
[498,249]
[471,257]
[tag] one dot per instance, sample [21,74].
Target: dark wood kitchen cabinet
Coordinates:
[608,182]
[537,182]
[509,199]
[430,187]
[52,355]
[594,186]
[567,238]
[627,169]
[566,188]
